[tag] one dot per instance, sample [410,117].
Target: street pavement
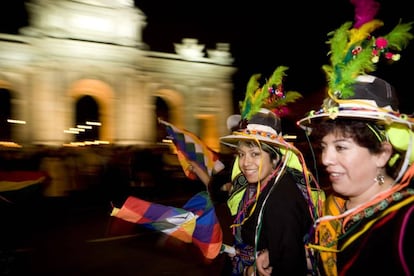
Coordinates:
[75,235]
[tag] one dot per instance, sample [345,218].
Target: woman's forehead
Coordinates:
[249,144]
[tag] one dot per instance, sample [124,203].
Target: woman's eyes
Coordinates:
[252,154]
[337,147]
[340,148]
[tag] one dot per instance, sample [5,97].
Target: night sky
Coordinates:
[262,36]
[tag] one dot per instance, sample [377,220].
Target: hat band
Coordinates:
[363,104]
[261,133]
[261,128]
[350,109]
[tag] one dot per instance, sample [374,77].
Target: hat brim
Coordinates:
[371,115]
[234,139]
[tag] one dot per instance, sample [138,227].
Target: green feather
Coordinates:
[249,105]
[277,76]
[346,65]
[338,42]
[290,97]
[400,36]
[258,97]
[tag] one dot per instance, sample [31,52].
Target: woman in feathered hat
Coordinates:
[270,198]
[367,152]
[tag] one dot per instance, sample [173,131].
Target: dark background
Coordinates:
[262,35]
[266,34]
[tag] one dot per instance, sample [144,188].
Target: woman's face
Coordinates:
[254,163]
[350,167]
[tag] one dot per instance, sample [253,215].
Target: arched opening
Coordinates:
[5,114]
[87,111]
[163,113]
[97,96]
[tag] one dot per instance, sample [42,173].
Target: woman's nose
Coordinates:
[328,157]
[244,161]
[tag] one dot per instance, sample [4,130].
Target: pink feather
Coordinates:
[365,11]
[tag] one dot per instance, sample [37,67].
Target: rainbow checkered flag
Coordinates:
[191,148]
[176,222]
[196,222]
[208,235]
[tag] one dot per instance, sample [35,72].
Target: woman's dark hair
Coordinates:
[363,133]
[273,152]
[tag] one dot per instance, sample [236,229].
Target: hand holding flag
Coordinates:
[191,151]
[195,222]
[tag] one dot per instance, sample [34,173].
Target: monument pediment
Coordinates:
[116,22]
[107,3]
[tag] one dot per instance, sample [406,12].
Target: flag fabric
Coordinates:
[191,148]
[195,222]
[208,235]
[176,222]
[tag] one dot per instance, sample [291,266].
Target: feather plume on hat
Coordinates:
[352,91]
[270,96]
[355,51]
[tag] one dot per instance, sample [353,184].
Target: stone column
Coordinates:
[47,116]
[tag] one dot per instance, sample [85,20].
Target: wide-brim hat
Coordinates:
[374,100]
[263,127]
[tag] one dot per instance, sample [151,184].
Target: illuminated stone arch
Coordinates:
[175,103]
[103,94]
[16,105]
[5,114]
[5,82]
[170,112]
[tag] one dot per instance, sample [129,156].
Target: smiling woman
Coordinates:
[270,195]
[367,151]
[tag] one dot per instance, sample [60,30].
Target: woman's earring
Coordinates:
[379,179]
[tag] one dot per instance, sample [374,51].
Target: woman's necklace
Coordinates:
[252,191]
